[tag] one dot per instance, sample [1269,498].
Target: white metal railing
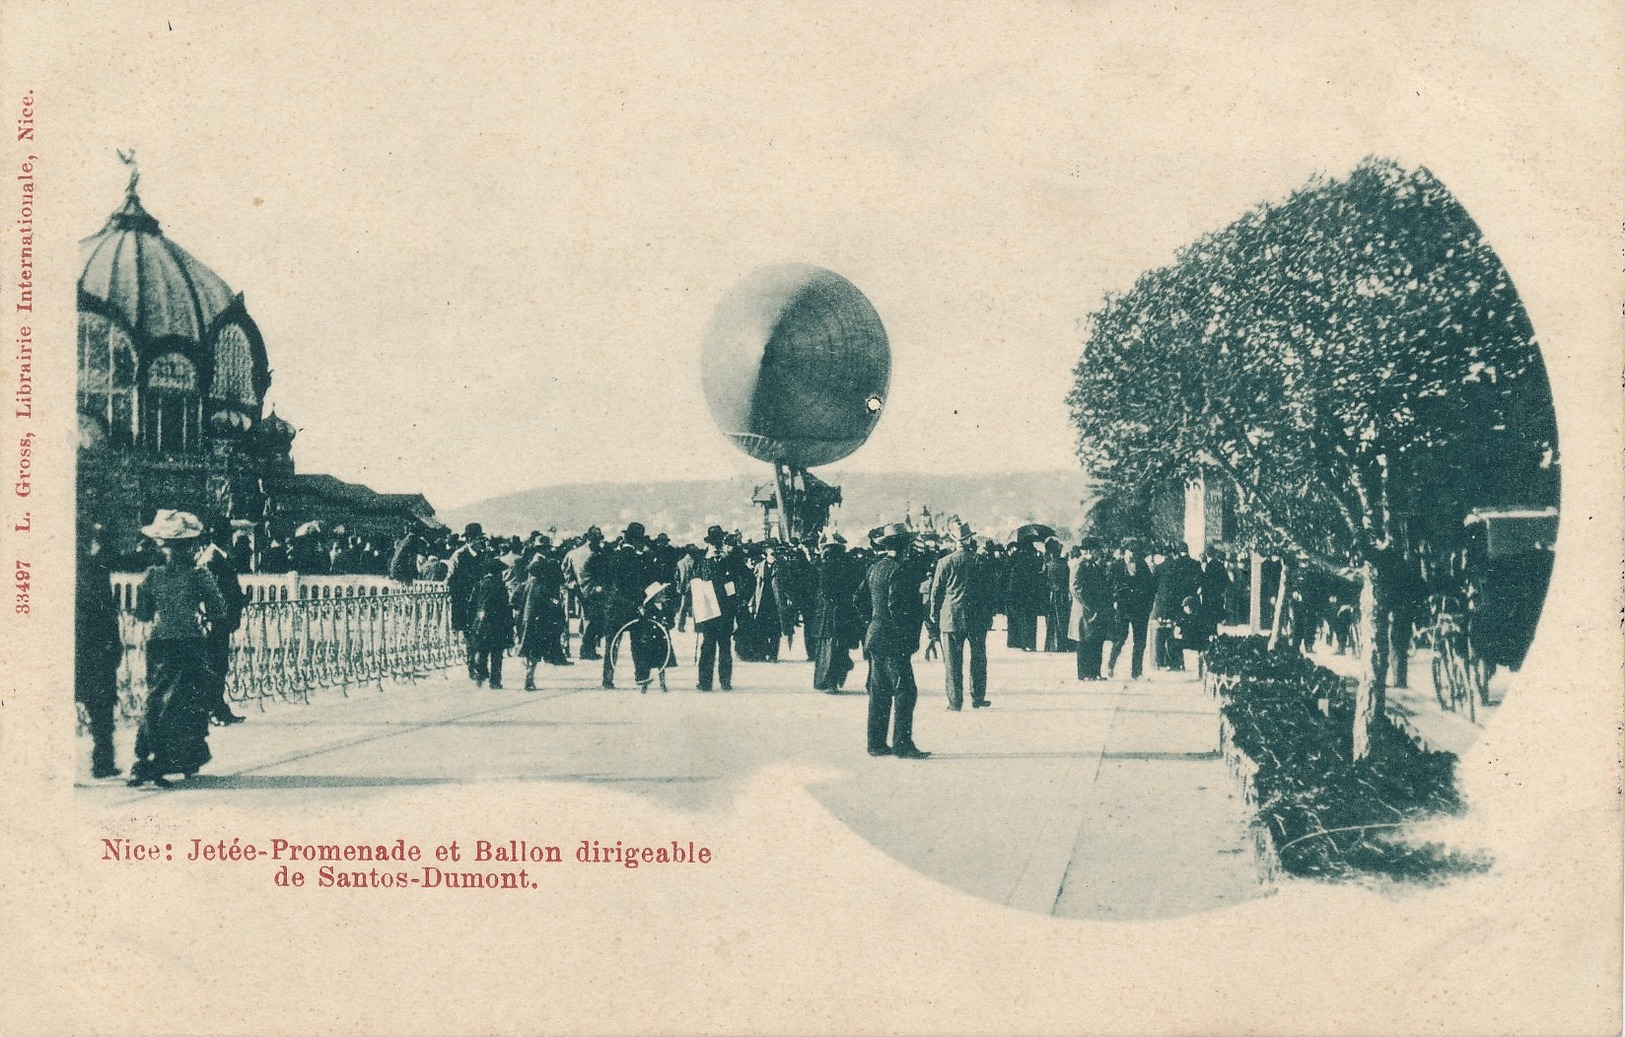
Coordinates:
[299,634]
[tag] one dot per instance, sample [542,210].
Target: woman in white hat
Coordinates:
[177,598]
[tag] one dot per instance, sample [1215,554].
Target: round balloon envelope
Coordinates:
[796,365]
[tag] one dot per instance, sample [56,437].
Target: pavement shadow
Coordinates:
[1206,754]
[505,724]
[409,725]
[276,782]
[1015,756]
[635,779]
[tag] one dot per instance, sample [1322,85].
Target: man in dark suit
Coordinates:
[403,560]
[962,614]
[216,561]
[629,568]
[1024,596]
[1133,588]
[1178,578]
[722,567]
[1403,607]
[98,648]
[890,600]
[465,569]
[1092,597]
[832,622]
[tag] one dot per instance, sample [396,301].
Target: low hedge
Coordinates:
[1328,816]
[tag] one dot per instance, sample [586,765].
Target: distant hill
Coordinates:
[993,504]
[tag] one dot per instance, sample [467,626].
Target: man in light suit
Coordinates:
[962,613]
[1092,603]
[583,569]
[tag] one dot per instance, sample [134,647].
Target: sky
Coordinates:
[483,249]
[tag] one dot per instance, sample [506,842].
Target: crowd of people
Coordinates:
[311,549]
[617,603]
[891,596]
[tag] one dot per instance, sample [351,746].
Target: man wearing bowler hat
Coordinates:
[627,569]
[890,599]
[466,567]
[214,560]
[719,566]
[1092,603]
[832,622]
[583,571]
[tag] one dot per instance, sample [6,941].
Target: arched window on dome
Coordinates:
[171,409]
[234,371]
[107,377]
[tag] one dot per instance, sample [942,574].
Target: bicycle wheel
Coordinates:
[1465,689]
[1485,673]
[624,635]
[1448,660]
[1478,685]
[1441,680]
[612,647]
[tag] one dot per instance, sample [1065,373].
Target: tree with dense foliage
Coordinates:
[1345,358]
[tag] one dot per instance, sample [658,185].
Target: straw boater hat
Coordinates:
[173,525]
[891,534]
[653,591]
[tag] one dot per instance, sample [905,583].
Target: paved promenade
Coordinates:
[1105,800]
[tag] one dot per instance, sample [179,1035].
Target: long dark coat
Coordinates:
[97,645]
[1177,579]
[491,613]
[1092,594]
[1025,589]
[1058,602]
[539,609]
[174,734]
[465,569]
[1132,594]
[889,598]
[834,616]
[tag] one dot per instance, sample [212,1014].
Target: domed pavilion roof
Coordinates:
[136,275]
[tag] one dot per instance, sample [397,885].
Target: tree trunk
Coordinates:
[1371,695]
[1255,593]
[1280,608]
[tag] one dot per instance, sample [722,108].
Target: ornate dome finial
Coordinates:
[130,215]
[128,158]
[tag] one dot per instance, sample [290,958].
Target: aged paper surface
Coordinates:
[436,217]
